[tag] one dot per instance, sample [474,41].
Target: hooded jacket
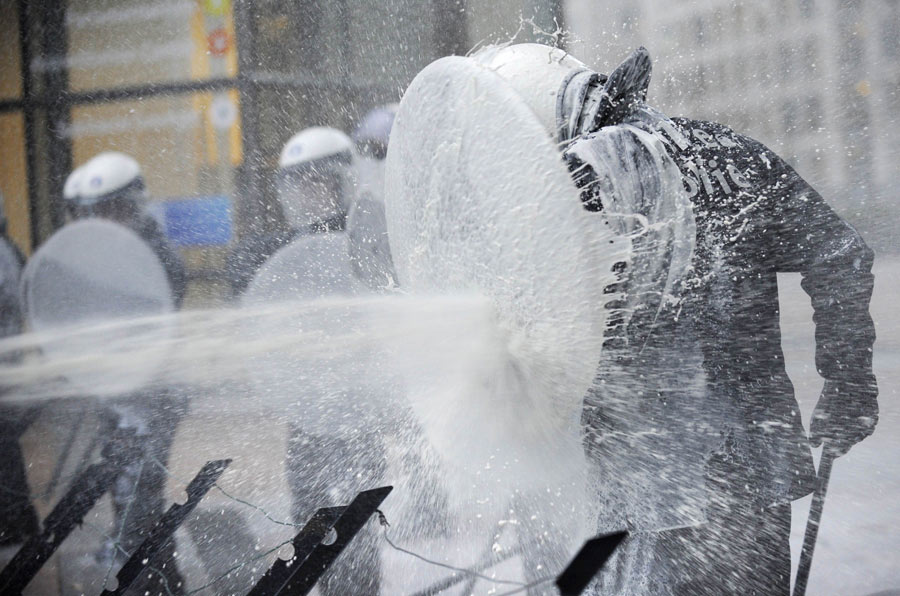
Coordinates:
[712,374]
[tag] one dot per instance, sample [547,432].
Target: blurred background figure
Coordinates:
[111,186]
[18,519]
[316,184]
[315,187]
[366,226]
[371,139]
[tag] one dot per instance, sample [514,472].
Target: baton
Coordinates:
[812,524]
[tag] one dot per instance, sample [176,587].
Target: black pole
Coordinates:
[346,527]
[249,183]
[281,572]
[55,48]
[587,563]
[162,536]
[28,121]
[812,525]
[312,557]
[84,493]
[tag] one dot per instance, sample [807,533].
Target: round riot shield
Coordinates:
[478,200]
[314,266]
[302,318]
[94,293]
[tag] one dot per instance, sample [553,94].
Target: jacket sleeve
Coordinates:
[808,237]
[176,273]
[171,261]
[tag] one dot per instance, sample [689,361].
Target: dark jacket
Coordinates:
[253,250]
[248,256]
[757,217]
[148,229]
[754,217]
[11,263]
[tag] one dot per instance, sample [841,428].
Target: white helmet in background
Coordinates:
[371,138]
[315,178]
[108,183]
[374,130]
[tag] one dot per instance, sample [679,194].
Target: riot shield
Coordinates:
[307,286]
[478,200]
[96,288]
[310,267]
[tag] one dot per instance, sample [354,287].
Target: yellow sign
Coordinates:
[217,8]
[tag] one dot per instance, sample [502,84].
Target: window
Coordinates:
[789,115]
[11,65]
[807,8]
[134,42]
[815,113]
[13,179]
[700,34]
[784,64]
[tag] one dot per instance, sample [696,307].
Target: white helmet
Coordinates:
[538,73]
[108,176]
[315,180]
[567,97]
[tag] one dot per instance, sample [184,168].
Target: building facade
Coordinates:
[816,80]
[203,93]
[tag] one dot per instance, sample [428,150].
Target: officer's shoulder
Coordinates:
[261,242]
[148,227]
[254,249]
[13,249]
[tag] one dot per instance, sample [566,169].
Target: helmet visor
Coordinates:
[120,205]
[313,192]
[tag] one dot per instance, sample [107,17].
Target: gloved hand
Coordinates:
[845,415]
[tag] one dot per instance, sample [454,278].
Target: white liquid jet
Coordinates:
[474,372]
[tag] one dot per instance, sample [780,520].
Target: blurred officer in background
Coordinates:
[111,186]
[366,225]
[315,187]
[18,519]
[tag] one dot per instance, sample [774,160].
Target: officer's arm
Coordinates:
[836,265]
[150,231]
[174,267]
[177,275]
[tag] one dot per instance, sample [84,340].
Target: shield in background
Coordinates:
[97,296]
[304,329]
